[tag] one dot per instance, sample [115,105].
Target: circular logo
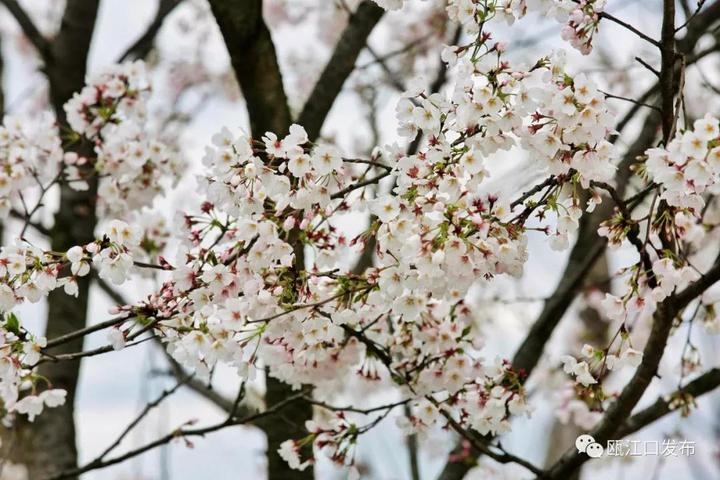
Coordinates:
[582,442]
[594,450]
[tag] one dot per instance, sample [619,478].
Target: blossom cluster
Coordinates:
[29,273]
[335,436]
[259,279]
[487,407]
[562,121]
[681,173]
[239,295]
[582,397]
[582,24]
[688,166]
[581,370]
[19,353]
[486,404]
[108,143]
[30,155]
[581,17]
[259,193]
[111,113]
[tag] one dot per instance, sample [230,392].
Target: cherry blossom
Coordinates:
[257,279]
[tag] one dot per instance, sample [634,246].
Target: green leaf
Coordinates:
[12,323]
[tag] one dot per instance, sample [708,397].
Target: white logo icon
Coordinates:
[587,444]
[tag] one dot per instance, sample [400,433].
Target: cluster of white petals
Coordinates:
[111,112]
[581,17]
[688,166]
[20,388]
[30,155]
[243,293]
[29,273]
[261,279]
[237,294]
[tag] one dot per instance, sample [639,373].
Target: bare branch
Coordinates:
[479,444]
[705,383]
[667,69]
[254,61]
[86,331]
[618,412]
[29,29]
[165,394]
[339,67]
[180,433]
[629,27]
[143,45]
[24,217]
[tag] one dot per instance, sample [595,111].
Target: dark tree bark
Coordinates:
[142,47]
[28,27]
[254,61]
[67,65]
[339,68]
[48,446]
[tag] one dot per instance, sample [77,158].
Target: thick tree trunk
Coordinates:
[48,446]
[288,424]
[254,61]
[68,64]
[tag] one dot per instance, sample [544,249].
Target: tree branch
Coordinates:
[230,421]
[703,384]
[618,412]
[339,67]
[254,61]
[176,369]
[29,29]
[143,45]
[699,26]
[667,69]
[479,444]
[629,27]
[148,407]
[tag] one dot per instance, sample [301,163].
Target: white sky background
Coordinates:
[115,386]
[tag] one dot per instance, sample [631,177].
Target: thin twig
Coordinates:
[138,419]
[179,433]
[86,331]
[29,29]
[630,27]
